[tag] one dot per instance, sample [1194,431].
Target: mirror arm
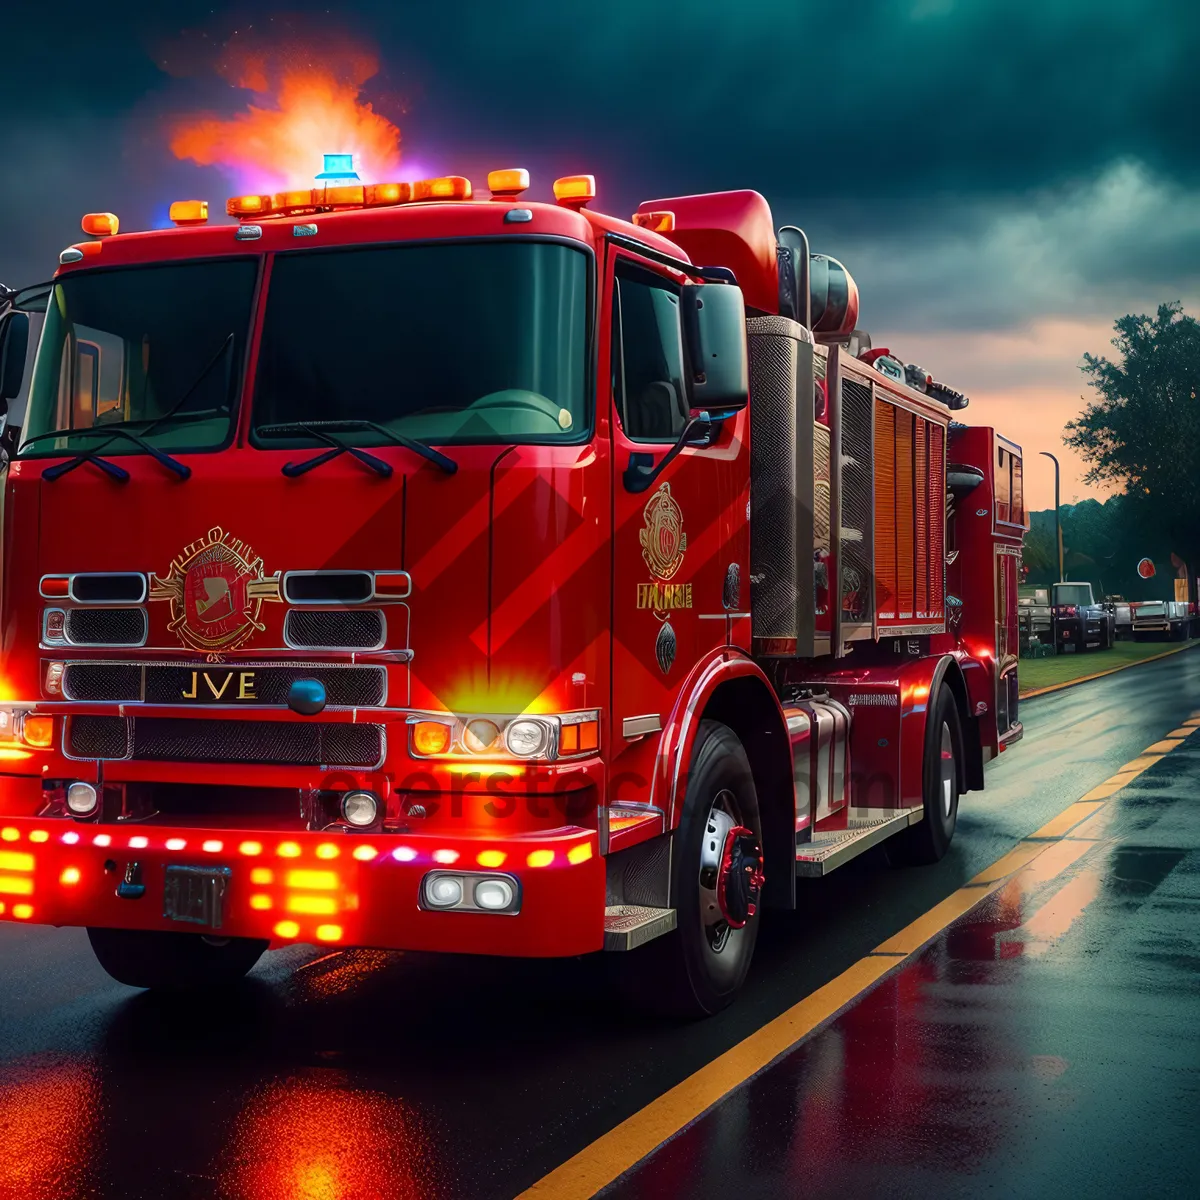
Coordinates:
[642,471]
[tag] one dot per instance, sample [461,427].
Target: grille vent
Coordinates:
[106,626]
[315,629]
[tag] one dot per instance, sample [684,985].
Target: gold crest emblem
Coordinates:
[663,540]
[216,588]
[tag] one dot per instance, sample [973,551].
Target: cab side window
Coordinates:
[648,357]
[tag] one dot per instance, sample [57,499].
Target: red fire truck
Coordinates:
[395,567]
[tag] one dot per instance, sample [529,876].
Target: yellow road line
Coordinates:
[1058,687]
[1019,856]
[1033,862]
[1181,733]
[1165,746]
[619,1149]
[1068,818]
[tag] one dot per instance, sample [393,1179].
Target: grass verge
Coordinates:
[1042,674]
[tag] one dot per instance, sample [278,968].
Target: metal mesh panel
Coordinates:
[102,681]
[937,523]
[106,626]
[773,546]
[904,515]
[921,514]
[821,525]
[857,502]
[885,510]
[296,743]
[98,737]
[359,629]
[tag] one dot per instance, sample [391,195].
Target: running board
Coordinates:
[628,926]
[828,850]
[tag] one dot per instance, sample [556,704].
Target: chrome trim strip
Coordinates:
[636,727]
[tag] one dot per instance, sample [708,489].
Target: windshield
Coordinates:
[139,347]
[446,342]
[1073,593]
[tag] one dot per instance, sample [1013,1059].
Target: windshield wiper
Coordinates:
[110,432]
[122,429]
[322,430]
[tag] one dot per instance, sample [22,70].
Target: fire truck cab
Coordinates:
[394,567]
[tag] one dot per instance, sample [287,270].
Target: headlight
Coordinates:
[548,737]
[480,735]
[526,738]
[360,809]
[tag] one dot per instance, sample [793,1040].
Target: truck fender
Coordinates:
[727,686]
[920,682]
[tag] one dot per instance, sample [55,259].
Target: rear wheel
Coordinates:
[168,961]
[716,881]
[929,839]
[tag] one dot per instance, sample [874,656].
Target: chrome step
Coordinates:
[627,926]
[829,849]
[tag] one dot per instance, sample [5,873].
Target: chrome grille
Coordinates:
[106,626]
[357,629]
[171,739]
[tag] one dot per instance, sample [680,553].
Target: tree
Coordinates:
[1142,432]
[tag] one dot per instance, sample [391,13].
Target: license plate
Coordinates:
[196,895]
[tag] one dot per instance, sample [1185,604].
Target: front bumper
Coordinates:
[310,887]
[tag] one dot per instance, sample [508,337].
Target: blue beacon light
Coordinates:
[339,168]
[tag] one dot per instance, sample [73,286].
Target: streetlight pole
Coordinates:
[1057,514]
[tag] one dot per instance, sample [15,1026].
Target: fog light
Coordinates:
[360,809]
[525,738]
[494,894]
[82,799]
[443,891]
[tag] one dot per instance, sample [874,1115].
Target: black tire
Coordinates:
[696,970]
[172,961]
[929,839]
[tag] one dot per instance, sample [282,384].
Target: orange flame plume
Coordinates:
[311,104]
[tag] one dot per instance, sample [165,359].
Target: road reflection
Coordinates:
[317,1137]
[48,1122]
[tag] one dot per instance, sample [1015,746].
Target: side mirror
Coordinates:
[714,322]
[14,344]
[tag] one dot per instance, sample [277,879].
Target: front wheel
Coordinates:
[929,839]
[169,961]
[716,883]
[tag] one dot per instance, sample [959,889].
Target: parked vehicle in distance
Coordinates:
[1033,614]
[1122,612]
[1079,620]
[1154,617]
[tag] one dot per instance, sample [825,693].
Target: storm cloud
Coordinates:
[981,166]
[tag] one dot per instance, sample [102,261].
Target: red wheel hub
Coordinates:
[740,879]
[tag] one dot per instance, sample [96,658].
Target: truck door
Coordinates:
[680,547]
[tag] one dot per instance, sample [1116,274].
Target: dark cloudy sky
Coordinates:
[1003,178]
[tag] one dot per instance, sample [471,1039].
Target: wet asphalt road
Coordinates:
[976,1068]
